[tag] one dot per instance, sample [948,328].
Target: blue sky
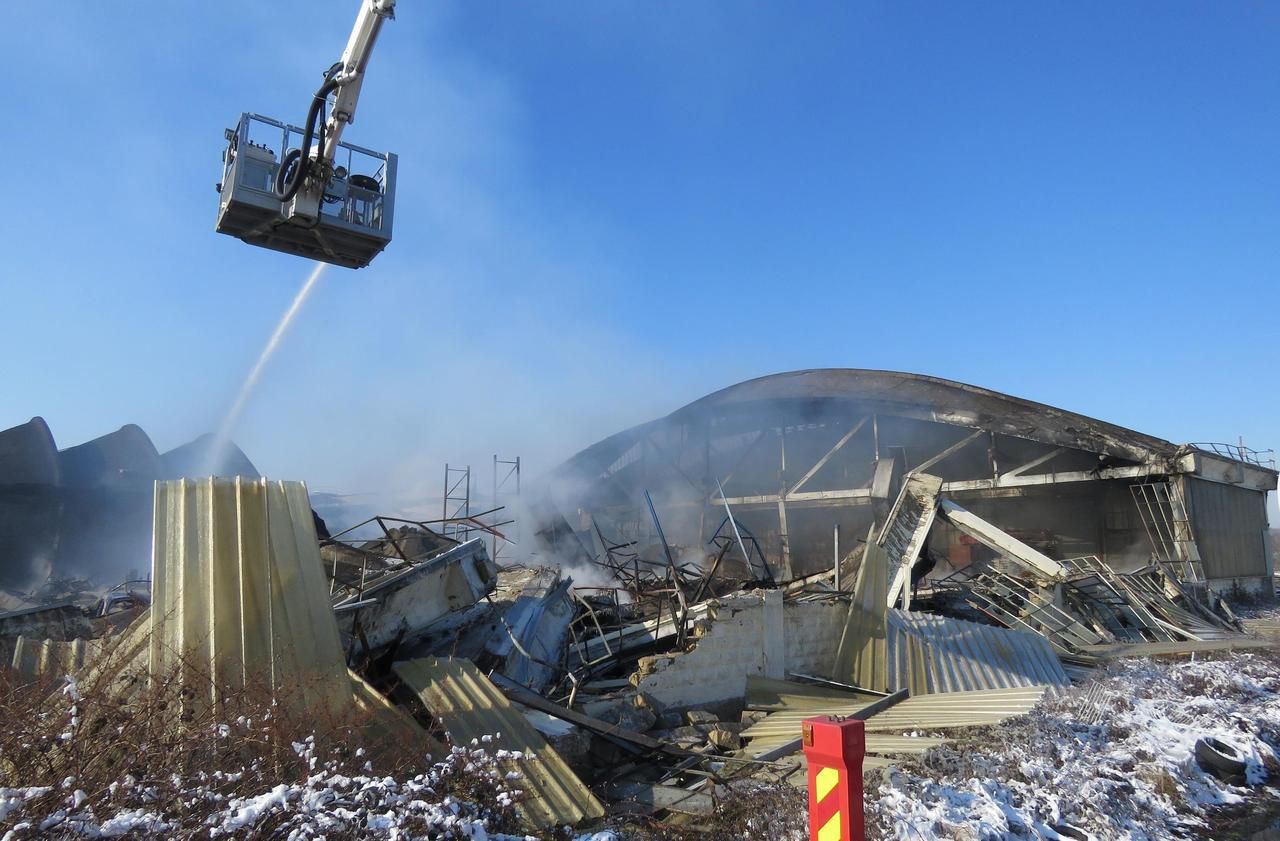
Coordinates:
[609,209]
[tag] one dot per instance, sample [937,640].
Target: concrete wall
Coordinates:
[754,633]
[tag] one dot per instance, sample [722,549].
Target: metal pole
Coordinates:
[746,557]
[519,517]
[444,506]
[835,553]
[494,540]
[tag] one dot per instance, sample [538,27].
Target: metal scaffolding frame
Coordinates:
[506,488]
[457,502]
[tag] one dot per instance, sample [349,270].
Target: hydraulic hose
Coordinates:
[296,162]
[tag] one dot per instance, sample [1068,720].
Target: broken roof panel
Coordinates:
[38,658]
[886,731]
[407,602]
[905,531]
[930,653]
[770,694]
[1116,651]
[531,635]
[922,712]
[862,657]
[469,706]
[1001,542]
[958,709]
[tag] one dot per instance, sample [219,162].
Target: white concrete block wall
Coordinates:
[717,667]
[741,640]
[813,634]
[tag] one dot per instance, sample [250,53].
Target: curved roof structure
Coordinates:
[28,455]
[798,395]
[795,460]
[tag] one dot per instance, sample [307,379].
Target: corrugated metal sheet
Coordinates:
[383,719]
[886,730]
[861,658]
[945,709]
[1158,649]
[37,658]
[957,709]
[1229,524]
[239,593]
[470,706]
[123,660]
[938,654]
[770,694]
[1263,627]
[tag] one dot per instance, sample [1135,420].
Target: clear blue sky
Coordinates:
[608,209]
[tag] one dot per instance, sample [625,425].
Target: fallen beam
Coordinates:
[788,748]
[619,735]
[998,540]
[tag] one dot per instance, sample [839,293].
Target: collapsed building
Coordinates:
[808,460]
[916,553]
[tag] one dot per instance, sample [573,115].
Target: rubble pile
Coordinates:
[663,695]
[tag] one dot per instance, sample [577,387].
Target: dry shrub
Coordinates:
[162,758]
[775,812]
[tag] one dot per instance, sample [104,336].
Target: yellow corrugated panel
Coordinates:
[122,662]
[1263,627]
[957,709]
[469,706]
[929,653]
[239,596]
[1115,651]
[862,656]
[767,693]
[37,658]
[238,590]
[924,712]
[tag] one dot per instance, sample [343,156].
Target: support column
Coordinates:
[774,631]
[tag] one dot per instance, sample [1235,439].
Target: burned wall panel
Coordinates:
[1230,525]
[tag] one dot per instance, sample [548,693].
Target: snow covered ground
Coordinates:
[1111,760]
[333,793]
[328,802]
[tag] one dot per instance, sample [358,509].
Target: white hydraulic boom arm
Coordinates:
[355,58]
[345,78]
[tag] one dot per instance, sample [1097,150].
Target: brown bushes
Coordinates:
[159,759]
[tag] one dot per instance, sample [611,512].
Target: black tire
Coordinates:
[1220,759]
[365,182]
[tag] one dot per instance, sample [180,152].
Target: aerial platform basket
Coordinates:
[354,223]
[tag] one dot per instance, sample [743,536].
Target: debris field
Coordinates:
[642,664]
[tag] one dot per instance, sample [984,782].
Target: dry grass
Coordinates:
[774,812]
[75,755]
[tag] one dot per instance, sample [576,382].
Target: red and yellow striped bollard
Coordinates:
[834,748]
